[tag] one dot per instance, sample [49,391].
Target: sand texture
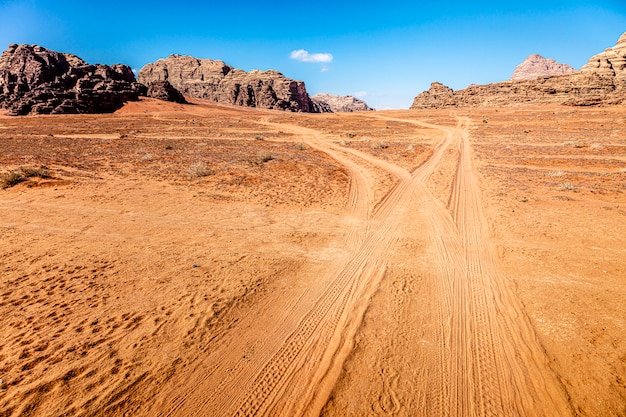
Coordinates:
[208,260]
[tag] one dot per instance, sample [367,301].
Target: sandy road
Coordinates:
[486,362]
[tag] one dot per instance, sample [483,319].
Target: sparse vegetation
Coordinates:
[200,169]
[12,178]
[259,137]
[264,157]
[379,145]
[567,186]
[41,172]
[573,144]
[300,146]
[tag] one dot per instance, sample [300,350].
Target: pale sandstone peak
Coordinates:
[536,66]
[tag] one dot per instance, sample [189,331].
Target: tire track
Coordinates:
[486,362]
[489,372]
[294,374]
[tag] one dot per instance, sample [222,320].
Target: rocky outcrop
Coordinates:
[35,80]
[339,104]
[163,90]
[216,81]
[536,66]
[601,81]
[611,62]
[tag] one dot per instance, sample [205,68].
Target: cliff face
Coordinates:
[601,81]
[339,104]
[35,80]
[219,82]
[536,66]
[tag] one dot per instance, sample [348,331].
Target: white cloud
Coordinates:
[304,56]
[359,94]
[324,68]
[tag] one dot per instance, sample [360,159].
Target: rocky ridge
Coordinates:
[601,81]
[216,81]
[35,80]
[536,66]
[339,104]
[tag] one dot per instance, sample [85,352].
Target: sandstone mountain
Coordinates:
[611,62]
[601,81]
[163,90]
[338,104]
[536,66]
[219,82]
[35,80]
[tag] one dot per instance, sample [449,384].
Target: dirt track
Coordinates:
[393,299]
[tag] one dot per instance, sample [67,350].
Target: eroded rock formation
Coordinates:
[219,82]
[338,104]
[163,90]
[35,80]
[536,66]
[601,81]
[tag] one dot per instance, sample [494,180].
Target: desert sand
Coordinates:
[208,260]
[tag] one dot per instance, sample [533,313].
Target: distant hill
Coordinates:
[36,80]
[601,81]
[536,66]
[216,81]
[338,104]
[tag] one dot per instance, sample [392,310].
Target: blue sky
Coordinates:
[385,52]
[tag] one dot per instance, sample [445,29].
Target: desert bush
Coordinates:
[41,172]
[300,146]
[259,137]
[10,179]
[264,156]
[573,144]
[567,186]
[379,145]
[199,169]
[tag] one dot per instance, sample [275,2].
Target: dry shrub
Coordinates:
[379,145]
[10,179]
[199,169]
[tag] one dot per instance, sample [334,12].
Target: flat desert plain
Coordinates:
[206,260]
